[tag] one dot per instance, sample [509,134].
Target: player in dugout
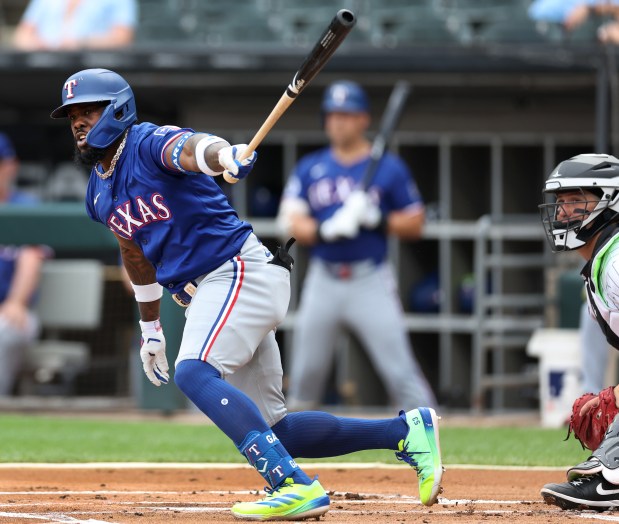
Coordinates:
[154,187]
[581,213]
[349,282]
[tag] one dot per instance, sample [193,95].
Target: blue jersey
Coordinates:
[9,254]
[324,183]
[22,198]
[181,221]
[8,257]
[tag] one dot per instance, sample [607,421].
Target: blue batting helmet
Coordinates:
[100,85]
[345,97]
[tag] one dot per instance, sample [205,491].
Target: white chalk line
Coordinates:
[49,517]
[184,509]
[597,516]
[66,518]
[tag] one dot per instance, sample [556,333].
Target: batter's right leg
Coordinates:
[293,494]
[261,380]
[234,308]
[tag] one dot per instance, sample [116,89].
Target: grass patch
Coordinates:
[58,440]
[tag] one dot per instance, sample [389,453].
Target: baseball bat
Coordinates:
[330,40]
[390,119]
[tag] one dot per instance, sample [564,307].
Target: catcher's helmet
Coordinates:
[345,97]
[100,85]
[596,178]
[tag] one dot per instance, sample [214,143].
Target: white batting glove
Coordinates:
[152,353]
[236,169]
[367,211]
[356,203]
[343,224]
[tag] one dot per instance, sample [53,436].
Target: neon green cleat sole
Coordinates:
[421,449]
[290,501]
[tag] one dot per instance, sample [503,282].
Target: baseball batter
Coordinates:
[154,187]
[349,282]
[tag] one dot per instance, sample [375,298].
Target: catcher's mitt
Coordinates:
[590,428]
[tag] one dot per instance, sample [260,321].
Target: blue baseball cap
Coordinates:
[7,150]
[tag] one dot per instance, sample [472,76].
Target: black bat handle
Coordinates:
[330,40]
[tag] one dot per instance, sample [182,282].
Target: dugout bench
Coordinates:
[66,228]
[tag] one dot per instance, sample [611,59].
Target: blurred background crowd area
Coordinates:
[248,28]
[502,91]
[388,23]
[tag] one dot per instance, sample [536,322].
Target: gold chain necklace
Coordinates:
[110,171]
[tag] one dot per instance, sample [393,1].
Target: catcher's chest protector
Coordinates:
[608,320]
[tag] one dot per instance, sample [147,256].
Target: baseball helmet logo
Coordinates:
[100,86]
[339,94]
[69,87]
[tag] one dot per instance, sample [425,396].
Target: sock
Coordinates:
[315,434]
[229,408]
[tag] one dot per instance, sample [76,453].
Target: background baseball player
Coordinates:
[177,231]
[582,214]
[20,270]
[349,284]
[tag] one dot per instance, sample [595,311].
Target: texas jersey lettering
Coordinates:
[325,183]
[147,206]
[122,222]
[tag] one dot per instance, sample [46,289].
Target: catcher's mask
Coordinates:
[100,85]
[581,198]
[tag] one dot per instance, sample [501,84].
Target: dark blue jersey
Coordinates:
[182,221]
[9,254]
[324,183]
[8,257]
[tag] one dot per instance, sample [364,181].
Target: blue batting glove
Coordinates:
[236,169]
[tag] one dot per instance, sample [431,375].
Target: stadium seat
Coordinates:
[301,23]
[159,21]
[517,28]
[212,22]
[393,23]
[32,178]
[70,298]
[585,33]
[481,21]
[67,183]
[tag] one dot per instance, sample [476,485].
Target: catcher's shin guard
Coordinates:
[608,452]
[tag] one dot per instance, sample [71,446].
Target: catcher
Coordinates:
[581,213]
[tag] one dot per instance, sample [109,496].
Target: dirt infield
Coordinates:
[198,495]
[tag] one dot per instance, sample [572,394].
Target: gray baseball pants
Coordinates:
[366,303]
